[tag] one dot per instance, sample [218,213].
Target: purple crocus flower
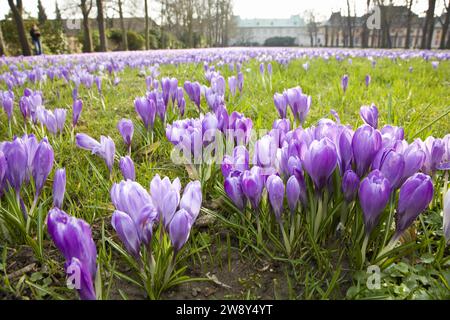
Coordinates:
[7,103]
[165,196]
[434,151]
[370,115]
[105,148]
[392,166]
[59,187]
[269,69]
[344,82]
[3,169]
[275,189]
[193,91]
[179,229]
[350,184]
[367,80]
[265,151]
[253,185]
[126,166]
[98,83]
[16,156]
[415,196]
[281,104]
[74,267]
[320,161]
[233,188]
[366,143]
[293,193]
[146,110]
[77,107]
[126,130]
[374,193]
[300,103]
[191,200]
[232,84]
[127,232]
[240,79]
[42,164]
[73,237]
[446,222]
[261,68]
[414,159]
[60,116]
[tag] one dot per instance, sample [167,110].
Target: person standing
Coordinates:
[35,37]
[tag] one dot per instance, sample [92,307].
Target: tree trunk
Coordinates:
[428,27]
[122,27]
[349,25]
[101,25]
[2,43]
[147,44]
[17,14]
[87,38]
[408,24]
[445,27]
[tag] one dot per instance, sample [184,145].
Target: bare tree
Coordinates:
[101,25]
[122,26]
[86,6]
[408,23]
[445,26]
[428,27]
[147,44]
[17,10]
[311,26]
[349,25]
[2,43]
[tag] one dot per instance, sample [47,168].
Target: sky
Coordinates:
[243,8]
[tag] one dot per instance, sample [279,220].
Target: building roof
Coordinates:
[292,22]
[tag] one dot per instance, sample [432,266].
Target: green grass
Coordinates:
[419,101]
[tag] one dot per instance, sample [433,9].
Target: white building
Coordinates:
[257,31]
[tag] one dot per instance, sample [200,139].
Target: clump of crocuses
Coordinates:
[329,169]
[143,220]
[21,160]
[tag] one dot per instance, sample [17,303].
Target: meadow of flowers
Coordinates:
[225,173]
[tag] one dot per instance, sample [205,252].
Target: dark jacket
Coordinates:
[35,33]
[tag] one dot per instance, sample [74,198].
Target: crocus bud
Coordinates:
[366,143]
[446,223]
[127,232]
[146,110]
[320,161]
[73,237]
[77,107]
[126,166]
[232,84]
[344,82]
[15,153]
[191,200]
[59,187]
[293,193]
[374,193]
[414,159]
[107,151]
[42,164]
[126,129]
[179,229]
[233,188]
[392,167]
[60,116]
[415,196]
[253,185]
[367,80]
[130,197]
[159,189]
[84,141]
[350,184]
[369,115]
[281,104]
[275,189]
